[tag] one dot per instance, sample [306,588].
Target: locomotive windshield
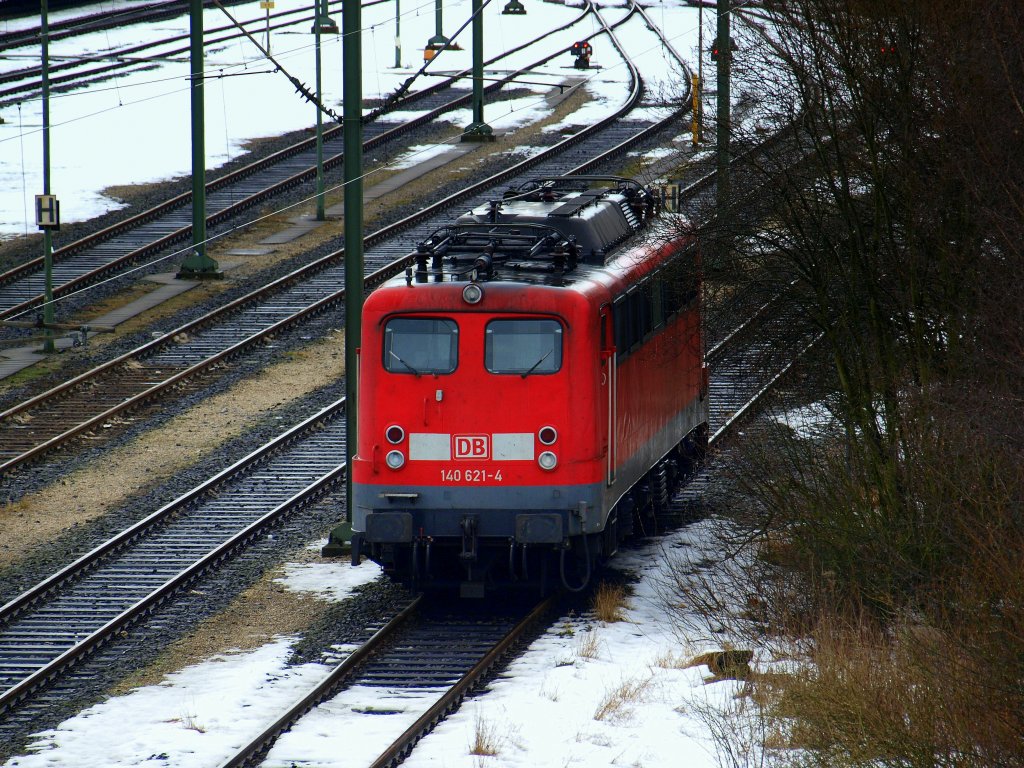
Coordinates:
[523,346]
[421,345]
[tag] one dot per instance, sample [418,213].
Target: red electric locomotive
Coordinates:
[528,389]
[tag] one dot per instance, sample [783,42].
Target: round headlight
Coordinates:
[472,293]
[547,435]
[395,434]
[547,460]
[395,459]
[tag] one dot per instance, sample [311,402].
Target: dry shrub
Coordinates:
[909,695]
[615,703]
[486,739]
[890,543]
[609,603]
[669,659]
[588,646]
[189,722]
[910,616]
[738,729]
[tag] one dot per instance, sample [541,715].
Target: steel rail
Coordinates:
[741,413]
[656,126]
[298,275]
[338,676]
[254,751]
[326,688]
[75,571]
[33,266]
[176,10]
[719,348]
[74,78]
[687,70]
[452,698]
[94,22]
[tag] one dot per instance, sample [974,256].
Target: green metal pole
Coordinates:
[267,46]
[478,130]
[320,215]
[398,33]
[47,236]
[723,117]
[198,130]
[438,39]
[198,264]
[700,72]
[352,113]
[478,61]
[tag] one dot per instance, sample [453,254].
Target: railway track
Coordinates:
[26,82]
[426,663]
[112,250]
[739,379]
[53,626]
[50,420]
[92,21]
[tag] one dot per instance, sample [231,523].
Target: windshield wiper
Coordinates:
[534,366]
[404,363]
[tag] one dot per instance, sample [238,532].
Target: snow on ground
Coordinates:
[584,693]
[193,718]
[809,421]
[544,711]
[557,705]
[136,128]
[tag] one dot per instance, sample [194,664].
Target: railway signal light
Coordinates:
[582,50]
[716,49]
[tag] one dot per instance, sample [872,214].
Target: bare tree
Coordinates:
[891,211]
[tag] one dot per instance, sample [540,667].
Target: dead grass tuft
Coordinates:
[190,723]
[743,736]
[615,704]
[588,646]
[610,603]
[669,659]
[487,741]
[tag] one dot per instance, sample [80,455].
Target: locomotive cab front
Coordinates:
[478,444]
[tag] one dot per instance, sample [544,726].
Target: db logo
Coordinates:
[471,447]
